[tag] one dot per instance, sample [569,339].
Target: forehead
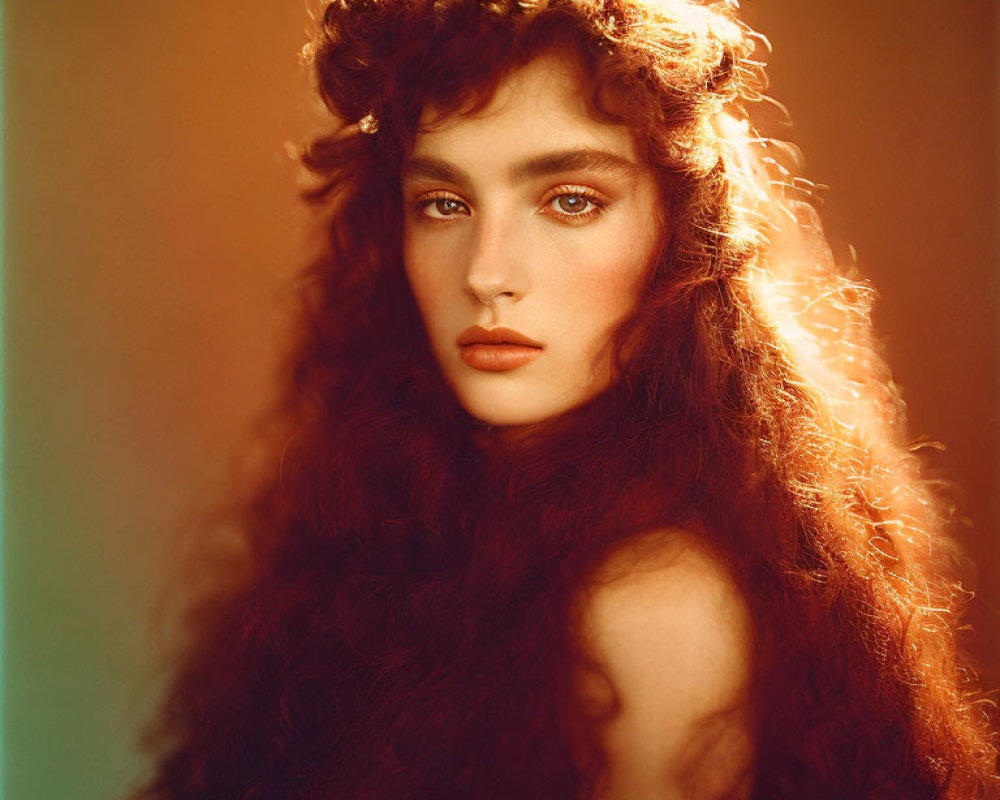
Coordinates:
[541,106]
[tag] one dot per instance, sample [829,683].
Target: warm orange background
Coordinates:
[152,228]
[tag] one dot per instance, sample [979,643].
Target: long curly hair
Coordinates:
[392,622]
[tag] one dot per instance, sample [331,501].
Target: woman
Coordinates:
[591,484]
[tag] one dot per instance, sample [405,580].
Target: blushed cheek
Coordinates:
[422,278]
[612,289]
[428,301]
[430,271]
[431,293]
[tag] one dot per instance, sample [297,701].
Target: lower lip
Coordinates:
[498,357]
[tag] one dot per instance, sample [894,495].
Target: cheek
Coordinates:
[421,287]
[604,281]
[426,278]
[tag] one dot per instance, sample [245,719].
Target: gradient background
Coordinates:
[152,229]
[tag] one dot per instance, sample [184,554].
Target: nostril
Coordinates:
[495,295]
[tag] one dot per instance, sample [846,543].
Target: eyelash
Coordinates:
[597,205]
[426,201]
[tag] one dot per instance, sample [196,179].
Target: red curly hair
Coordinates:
[394,624]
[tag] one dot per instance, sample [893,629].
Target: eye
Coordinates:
[573,204]
[442,207]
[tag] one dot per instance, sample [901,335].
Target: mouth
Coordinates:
[496,349]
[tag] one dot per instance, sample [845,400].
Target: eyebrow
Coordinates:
[534,167]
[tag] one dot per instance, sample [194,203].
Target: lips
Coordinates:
[496,349]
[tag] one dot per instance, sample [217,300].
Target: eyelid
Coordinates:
[598,199]
[425,199]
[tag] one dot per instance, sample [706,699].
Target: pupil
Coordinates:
[447,206]
[572,203]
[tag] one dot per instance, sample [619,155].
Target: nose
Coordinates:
[496,266]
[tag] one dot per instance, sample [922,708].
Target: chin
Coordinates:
[499,411]
[496,413]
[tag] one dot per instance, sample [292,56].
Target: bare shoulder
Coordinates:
[668,638]
[666,581]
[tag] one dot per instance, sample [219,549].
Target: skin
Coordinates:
[535,216]
[668,638]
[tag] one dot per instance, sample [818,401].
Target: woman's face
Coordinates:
[529,228]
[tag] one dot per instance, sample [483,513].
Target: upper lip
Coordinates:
[479,335]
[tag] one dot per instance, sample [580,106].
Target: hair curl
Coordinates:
[396,626]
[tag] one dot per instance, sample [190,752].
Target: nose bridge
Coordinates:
[495,267]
